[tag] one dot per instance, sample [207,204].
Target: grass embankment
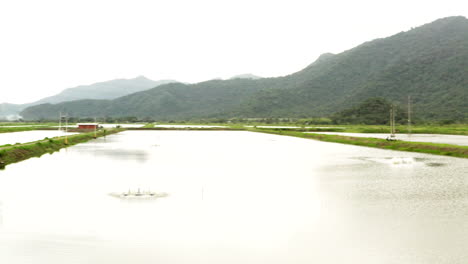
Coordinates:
[457,129]
[28,124]
[448,129]
[19,152]
[187,128]
[18,127]
[24,128]
[430,148]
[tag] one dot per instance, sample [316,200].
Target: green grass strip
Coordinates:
[18,152]
[423,147]
[16,129]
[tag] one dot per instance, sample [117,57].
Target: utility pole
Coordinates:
[409,115]
[64,120]
[392,120]
[66,129]
[392,136]
[95,128]
[60,121]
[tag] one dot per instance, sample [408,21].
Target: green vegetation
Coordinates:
[430,148]
[429,63]
[457,129]
[23,128]
[18,152]
[188,128]
[5,127]
[16,129]
[373,111]
[2,124]
[307,125]
[310,125]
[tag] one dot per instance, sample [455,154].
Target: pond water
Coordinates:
[29,136]
[233,197]
[433,138]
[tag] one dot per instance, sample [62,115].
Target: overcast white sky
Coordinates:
[47,46]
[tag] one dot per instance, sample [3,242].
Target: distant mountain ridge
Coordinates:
[246,76]
[430,63]
[10,111]
[102,90]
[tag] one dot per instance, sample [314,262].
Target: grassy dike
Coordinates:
[17,129]
[188,128]
[19,152]
[7,127]
[430,148]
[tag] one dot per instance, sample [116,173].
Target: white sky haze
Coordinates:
[47,46]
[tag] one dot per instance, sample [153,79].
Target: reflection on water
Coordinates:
[116,150]
[1,214]
[405,161]
[120,154]
[393,160]
[235,197]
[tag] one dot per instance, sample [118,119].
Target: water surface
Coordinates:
[234,197]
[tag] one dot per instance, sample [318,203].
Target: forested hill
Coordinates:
[430,63]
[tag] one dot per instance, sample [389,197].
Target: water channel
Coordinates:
[234,197]
[29,136]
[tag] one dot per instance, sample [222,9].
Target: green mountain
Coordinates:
[211,99]
[103,90]
[430,63]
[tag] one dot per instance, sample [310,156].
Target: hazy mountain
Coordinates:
[246,76]
[10,111]
[430,63]
[322,58]
[102,90]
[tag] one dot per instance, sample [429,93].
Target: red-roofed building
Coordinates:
[88,125]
